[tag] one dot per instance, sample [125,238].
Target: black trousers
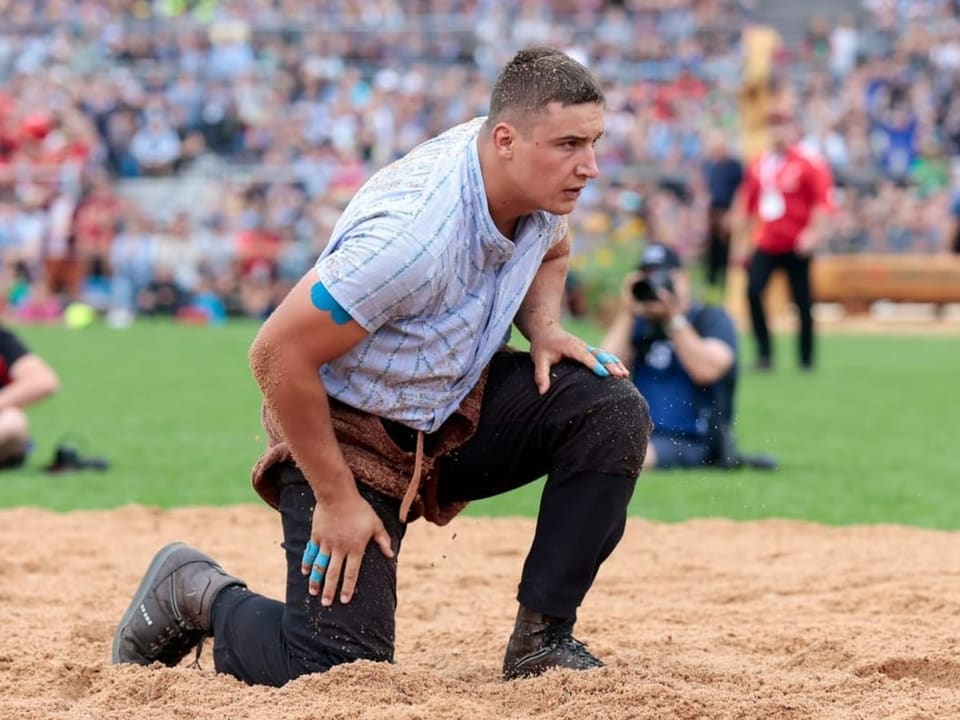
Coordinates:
[797,268]
[587,434]
[718,246]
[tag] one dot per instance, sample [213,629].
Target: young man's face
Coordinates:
[554,155]
[781,131]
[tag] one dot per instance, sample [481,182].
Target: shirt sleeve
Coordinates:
[378,274]
[11,347]
[560,229]
[714,322]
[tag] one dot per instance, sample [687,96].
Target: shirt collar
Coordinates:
[497,246]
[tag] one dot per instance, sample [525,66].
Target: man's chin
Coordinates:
[561,207]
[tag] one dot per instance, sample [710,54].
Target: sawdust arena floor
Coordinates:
[703,619]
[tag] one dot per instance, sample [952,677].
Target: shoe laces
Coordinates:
[561,635]
[172,639]
[579,649]
[195,665]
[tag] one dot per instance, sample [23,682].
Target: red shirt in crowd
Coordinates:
[257,252]
[95,223]
[783,190]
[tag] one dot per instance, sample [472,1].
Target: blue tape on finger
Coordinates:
[606,357]
[316,576]
[591,349]
[310,553]
[600,370]
[322,561]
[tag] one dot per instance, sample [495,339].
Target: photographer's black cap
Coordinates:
[659,257]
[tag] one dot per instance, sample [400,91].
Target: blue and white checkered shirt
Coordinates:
[417,261]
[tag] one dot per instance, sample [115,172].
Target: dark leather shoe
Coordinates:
[66,459]
[170,612]
[540,642]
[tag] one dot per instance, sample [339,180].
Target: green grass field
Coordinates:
[868,438]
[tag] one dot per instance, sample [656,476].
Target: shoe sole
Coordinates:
[522,668]
[159,559]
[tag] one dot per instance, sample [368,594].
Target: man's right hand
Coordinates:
[341,531]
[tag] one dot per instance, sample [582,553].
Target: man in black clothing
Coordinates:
[444,251]
[723,175]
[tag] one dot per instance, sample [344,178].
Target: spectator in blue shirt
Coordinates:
[683,360]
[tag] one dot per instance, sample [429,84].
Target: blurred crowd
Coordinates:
[300,100]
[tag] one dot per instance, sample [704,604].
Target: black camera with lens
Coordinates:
[645,289]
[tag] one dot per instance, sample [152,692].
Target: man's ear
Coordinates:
[504,138]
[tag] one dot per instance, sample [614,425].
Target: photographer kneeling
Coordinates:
[683,359]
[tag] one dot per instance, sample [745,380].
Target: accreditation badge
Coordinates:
[772,205]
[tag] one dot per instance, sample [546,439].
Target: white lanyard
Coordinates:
[772,205]
[770,165]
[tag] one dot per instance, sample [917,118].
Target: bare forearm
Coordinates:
[297,400]
[743,230]
[817,226]
[22,395]
[33,380]
[743,226]
[706,360]
[543,304]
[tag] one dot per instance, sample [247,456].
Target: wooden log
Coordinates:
[858,280]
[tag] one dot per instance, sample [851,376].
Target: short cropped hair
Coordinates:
[538,76]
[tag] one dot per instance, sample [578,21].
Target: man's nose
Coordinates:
[588,166]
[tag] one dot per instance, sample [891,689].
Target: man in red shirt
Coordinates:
[786,198]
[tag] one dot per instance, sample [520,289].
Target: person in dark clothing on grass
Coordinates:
[683,359]
[25,379]
[723,175]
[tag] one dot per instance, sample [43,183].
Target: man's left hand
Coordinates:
[551,346]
